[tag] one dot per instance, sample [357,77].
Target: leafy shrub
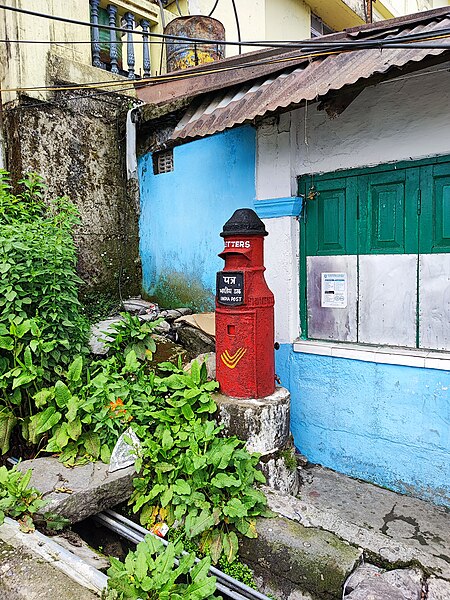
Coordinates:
[41,326]
[188,474]
[152,572]
[16,498]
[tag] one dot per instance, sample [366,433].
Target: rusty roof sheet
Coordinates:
[306,82]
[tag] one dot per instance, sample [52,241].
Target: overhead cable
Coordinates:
[316,42]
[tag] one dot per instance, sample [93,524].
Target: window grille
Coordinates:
[163,162]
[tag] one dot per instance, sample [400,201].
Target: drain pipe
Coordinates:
[123,526]
[132,119]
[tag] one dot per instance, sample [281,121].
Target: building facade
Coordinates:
[353,186]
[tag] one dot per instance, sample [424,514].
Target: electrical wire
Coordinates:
[238,27]
[316,42]
[213,8]
[177,75]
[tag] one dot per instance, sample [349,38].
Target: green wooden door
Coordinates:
[435,208]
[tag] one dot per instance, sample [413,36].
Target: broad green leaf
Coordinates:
[62,394]
[215,548]
[195,372]
[92,443]
[43,396]
[105,454]
[62,436]
[141,567]
[235,508]
[166,496]
[27,358]
[72,408]
[164,564]
[74,428]
[7,424]
[201,589]
[230,546]
[23,380]
[222,480]
[131,362]
[182,487]
[199,524]
[45,420]
[201,569]
[187,412]
[75,369]
[167,440]
[7,343]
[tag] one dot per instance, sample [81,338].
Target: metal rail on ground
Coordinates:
[135,533]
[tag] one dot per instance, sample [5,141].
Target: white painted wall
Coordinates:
[401,120]
[281,260]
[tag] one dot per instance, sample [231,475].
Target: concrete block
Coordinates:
[24,577]
[79,492]
[295,560]
[262,422]
[369,582]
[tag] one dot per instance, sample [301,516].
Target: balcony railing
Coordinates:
[108,45]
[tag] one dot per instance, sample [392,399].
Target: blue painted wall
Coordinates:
[183,212]
[387,424]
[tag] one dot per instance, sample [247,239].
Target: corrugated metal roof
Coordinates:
[218,111]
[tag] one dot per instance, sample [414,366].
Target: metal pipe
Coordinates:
[136,537]
[115,518]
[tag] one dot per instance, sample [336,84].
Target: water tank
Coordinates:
[182,55]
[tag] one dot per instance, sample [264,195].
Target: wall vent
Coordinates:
[163,162]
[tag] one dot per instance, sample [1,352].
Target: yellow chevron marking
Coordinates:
[230,360]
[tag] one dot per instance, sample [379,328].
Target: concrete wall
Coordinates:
[388,423]
[77,144]
[183,212]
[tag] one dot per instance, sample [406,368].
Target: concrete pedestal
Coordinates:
[263,423]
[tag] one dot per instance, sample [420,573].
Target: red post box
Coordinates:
[244,311]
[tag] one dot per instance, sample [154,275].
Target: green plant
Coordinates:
[155,572]
[16,498]
[130,334]
[190,475]
[236,569]
[41,326]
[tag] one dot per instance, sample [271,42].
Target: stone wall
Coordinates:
[77,142]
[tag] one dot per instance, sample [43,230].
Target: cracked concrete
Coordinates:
[393,530]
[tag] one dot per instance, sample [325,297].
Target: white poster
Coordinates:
[334,290]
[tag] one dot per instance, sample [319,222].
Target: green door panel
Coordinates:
[388,212]
[435,209]
[330,216]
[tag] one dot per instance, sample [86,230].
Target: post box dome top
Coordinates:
[244,221]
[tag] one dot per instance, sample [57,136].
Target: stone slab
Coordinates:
[374,583]
[194,340]
[296,560]
[79,492]
[25,577]
[392,527]
[438,589]
[33,565]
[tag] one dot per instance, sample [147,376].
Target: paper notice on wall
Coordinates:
[334,290]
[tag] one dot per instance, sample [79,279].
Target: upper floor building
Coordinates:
[39,51]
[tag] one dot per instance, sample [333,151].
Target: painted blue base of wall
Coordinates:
[183,213]
[382,423]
